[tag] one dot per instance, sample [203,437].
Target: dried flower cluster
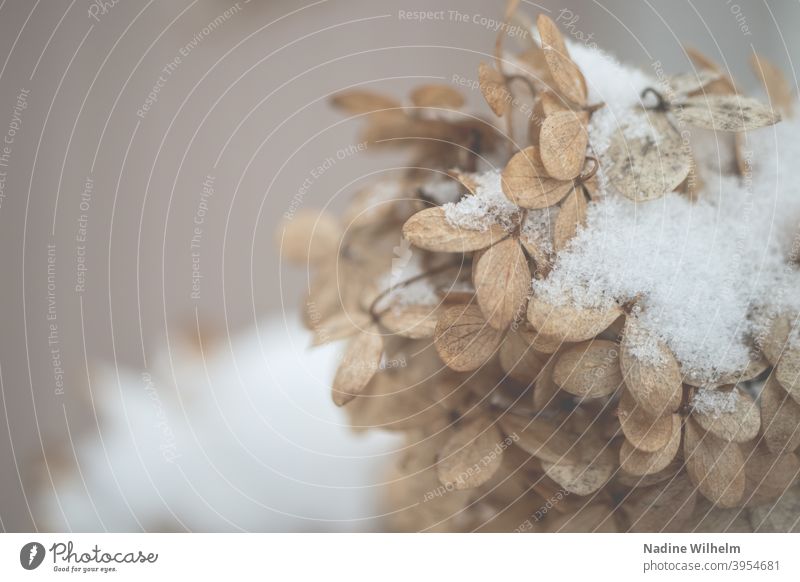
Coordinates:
[581,351]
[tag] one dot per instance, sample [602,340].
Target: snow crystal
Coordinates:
[539,226]
[619,87]
[714,403]
[486,207]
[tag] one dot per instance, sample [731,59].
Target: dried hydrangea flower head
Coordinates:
[592,338]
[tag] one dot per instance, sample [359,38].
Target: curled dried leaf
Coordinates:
[309,236]
[527,184]
[494,90]
[562,145]
[589,369]
[651,371]
[360,362]
[430,230]
[437,95]
[738,425]
[502,282]
[780,418]
[715,466]
[726,113]
[471,456]
[571,217]
[641,463]
[566,75]
[568,323]
[647,167]
[464,339]
[645,432]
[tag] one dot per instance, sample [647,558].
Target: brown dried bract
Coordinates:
[566,75]
[471,456]
[571,217]
[740,425]
[562,145]
[568,323]
[644,431]
[360,362]
[502,282]
[654,382]
[494,90]
[429,230]
[646,168]
[589,369]
[437,95]
[715,466]
[464,339]
[527,184]
[781,96]
[726,113]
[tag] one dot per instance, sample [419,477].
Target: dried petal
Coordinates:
[647,167]
[562,145]
[726,113]
[463,338]
[690,83]
[359,364]
[493,88]
[429,230]
[502,282]
[715,466]
[411,321]
[651,371]
[338,326]
[777,337]
[589,369]
[645,432]
[778,517]
[739,425]
[309,236]
[640,463]
[661,509]
[518,358]
[583,476]
[358,101]
[571,217]
[540,438]
[569,323]
[566,75]
[471,456]
[528,185]
[778,89]
[768,475]
[437,95]
[787,372]
[780,418]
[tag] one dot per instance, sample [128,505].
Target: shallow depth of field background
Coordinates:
[149,383]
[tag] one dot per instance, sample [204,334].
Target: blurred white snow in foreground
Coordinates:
[242,437]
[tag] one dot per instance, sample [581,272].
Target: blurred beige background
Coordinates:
[104,273]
